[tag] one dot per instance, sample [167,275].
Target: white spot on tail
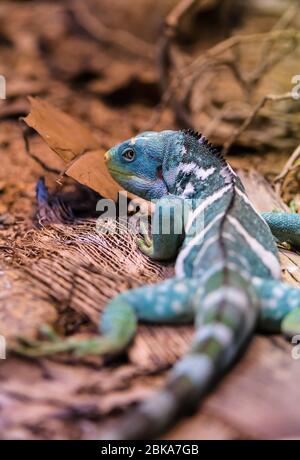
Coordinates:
[218,331]
[278,291]
[199,368]
[186,168]
[270,304]
[158,406]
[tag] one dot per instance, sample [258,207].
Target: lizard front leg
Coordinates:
[167,229]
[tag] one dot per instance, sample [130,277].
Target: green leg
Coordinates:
[284,226]
[118,326]
[290,325]
[166,302]
[280,307]
[167,229]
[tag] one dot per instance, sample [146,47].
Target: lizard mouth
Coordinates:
[116,172]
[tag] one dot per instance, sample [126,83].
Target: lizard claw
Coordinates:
[49,333]
[34,347]
[145,244]
[40,348]
[144,247]
[144,232]
[77,346]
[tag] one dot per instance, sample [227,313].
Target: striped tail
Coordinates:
[226,313]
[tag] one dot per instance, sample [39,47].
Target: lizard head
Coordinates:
[153,164]
[136,164]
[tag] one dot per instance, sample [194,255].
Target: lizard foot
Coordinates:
[145,244]
[290,325]
[118,325]
[145,248]
[78,347]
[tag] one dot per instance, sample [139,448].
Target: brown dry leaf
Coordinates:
[75,144]
[66,136]
[90,170]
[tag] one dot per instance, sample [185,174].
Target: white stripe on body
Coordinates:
[179,266]
[199,172]
[216,330]
[240,258]
[205,203]
[208,273]
[221,266]
[206,245]
[267,257]
[233,295]
[229,236]
[233,267]
[246,199]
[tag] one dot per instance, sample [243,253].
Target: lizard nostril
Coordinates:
[106,157]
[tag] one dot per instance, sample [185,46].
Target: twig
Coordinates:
[221,115]
[236,134]
[164,64]
[288,166]
[222,47]
[215,57]
[210,58]
[266,60]
[173,19]
[100,32]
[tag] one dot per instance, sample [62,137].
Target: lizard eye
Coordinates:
[128,155]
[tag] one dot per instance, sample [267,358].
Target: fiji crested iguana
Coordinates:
[227,273]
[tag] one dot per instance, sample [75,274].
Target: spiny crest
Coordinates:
[211,149]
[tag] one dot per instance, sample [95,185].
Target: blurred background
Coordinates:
[124,68]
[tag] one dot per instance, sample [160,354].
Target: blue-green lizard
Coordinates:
[227,273]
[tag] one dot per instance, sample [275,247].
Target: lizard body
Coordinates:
[227,273]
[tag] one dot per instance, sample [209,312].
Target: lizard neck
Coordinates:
[193,168]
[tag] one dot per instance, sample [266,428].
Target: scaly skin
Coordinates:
[227,273]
